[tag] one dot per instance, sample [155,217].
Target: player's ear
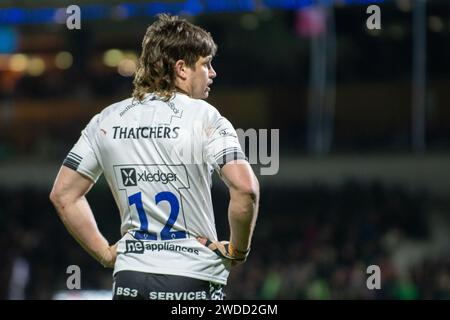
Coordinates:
[180,69]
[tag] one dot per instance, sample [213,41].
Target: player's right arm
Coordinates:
[242,211]
[223,152]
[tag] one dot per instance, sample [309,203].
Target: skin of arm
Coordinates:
[244,203]
[68,197]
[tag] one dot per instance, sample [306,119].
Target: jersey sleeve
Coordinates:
[82,157]
[222,143]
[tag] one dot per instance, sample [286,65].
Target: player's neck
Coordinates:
[182,91]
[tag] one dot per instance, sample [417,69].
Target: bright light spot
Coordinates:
[112,57]
[130,55]
[126,67]
[63,60]
[18,62]
[36,66]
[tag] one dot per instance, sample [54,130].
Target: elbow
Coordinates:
[253,191]
[57,199]
[249,189]
[54,197]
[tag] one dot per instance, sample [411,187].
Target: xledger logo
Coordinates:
[157,177]
[128,177]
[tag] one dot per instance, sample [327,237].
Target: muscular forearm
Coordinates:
[242,216]
[79,221]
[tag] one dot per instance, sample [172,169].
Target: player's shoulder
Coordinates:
[199,107]
[110,110]
[118,107]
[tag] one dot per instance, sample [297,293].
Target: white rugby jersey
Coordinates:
[157,158]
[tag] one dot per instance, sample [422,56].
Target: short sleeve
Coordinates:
[82,157]
[222,143]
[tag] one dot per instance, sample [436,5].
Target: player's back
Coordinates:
[154,156]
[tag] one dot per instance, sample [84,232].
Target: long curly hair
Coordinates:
[166,41]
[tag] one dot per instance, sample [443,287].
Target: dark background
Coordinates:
[364,124]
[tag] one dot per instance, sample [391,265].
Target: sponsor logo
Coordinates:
[139,247]
[149,132]
[134,246]
[128,177]
[157,177]
[191,295]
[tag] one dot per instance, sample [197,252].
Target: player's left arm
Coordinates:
[68,197]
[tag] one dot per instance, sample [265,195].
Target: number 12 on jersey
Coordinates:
[166,234]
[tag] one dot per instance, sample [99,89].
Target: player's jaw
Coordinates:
[208,88]
[202,90]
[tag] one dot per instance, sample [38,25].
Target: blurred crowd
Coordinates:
[311,242]
[322,249]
